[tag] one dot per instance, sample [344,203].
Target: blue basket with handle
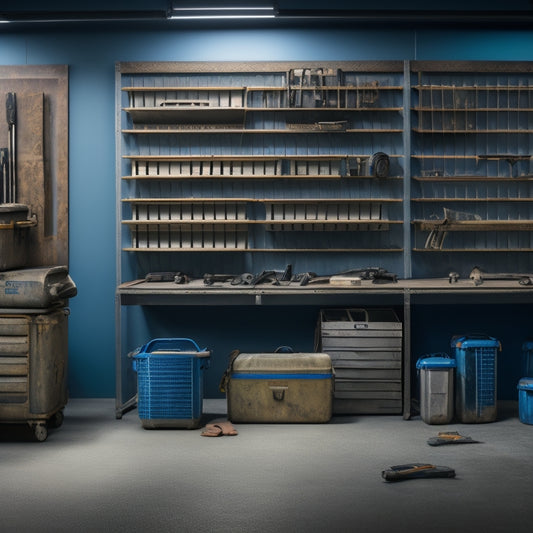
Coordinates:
[170,376]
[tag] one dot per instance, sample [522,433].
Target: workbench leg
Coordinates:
[406,363]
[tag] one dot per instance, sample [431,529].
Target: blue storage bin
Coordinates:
[525,400]
[170,382]
[475,387]
[527,358]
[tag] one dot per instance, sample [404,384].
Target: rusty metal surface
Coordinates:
[42,154]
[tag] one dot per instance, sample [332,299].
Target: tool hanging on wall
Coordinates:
[4,174]
[11,116]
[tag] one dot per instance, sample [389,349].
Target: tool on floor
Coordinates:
[478,277]
[218,429]
[450,437]
[11,115]
[416,470]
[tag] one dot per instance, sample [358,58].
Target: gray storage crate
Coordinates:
[365,346]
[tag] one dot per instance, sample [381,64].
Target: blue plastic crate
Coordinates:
[525,400]
[527,358]
[170,382]
[476,376]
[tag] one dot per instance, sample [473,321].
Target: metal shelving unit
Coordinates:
[289,147]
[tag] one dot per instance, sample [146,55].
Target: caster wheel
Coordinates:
[56,420]
[40,432]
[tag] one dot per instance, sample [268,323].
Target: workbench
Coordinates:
[251,166]
[404,293]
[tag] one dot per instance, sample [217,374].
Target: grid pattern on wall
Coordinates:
[472,126]
[302,162]
[306,163]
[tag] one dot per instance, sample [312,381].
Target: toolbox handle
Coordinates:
[353,315]
[284,349]
[278,392]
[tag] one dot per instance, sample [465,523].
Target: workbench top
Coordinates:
[140,292]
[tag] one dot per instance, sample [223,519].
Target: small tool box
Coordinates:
[280,387]
[170,382]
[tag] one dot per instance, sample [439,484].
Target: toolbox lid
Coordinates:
[525,384]
[474,341]
[294,363]
[435,362]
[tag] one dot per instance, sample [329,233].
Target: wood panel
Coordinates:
[42,153]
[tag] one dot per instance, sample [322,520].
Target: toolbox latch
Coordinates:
[278,393]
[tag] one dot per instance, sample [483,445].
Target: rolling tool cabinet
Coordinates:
[412,166]
[33,369]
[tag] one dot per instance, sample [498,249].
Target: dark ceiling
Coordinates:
[412,13]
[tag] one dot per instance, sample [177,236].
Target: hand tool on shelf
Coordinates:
[453,277]
[478,277]
[233,279]
[11,116]
[177,277]
[436,236]
[375,274]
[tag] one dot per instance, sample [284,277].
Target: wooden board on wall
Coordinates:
[42,153]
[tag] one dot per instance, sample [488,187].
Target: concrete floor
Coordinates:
[97,473]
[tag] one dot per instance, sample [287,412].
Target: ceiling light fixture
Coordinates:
[195,13]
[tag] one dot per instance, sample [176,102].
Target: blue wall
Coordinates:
[91,56]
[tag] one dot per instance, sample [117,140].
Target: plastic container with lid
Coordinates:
[436,375]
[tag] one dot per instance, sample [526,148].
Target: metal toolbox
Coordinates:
[41,287]
[280,387]
[365,346]
[33,369]
[170,382]
[14,235]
